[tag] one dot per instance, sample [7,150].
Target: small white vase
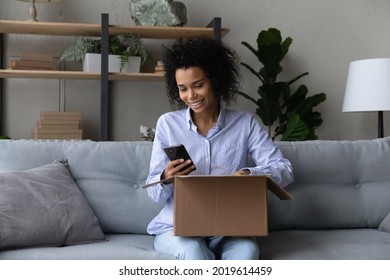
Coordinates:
[92,62]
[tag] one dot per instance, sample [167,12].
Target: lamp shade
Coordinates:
[368,86]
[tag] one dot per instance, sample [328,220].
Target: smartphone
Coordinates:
[178,152]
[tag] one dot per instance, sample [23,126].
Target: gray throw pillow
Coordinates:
[385,225]
[44,207]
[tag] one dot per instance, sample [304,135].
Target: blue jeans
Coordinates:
[207,248]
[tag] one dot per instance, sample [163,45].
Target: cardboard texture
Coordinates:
[223,205]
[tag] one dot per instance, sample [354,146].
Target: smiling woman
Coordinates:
[196,92]
[202,76]
[219,64]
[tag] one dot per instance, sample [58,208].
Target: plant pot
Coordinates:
[92,62]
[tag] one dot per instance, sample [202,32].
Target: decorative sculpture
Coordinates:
[158,12]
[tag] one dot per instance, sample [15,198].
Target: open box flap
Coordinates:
[278,190]
[271,185]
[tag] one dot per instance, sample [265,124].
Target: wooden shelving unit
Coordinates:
[79,75]
[86,29]
[103,30]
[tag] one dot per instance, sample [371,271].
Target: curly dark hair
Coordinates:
[219,63]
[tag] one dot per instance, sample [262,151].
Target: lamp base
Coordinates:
[380,124]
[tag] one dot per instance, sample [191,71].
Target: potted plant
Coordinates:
[292,110]
[121,48]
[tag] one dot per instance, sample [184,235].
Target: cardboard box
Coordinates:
[223,205]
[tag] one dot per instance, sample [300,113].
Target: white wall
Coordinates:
[327,34]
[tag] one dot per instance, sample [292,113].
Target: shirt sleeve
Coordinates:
[158,162]
[267,157]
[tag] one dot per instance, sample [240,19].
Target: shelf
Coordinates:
[103,30]
[146,77]
[86,29]
[79,75]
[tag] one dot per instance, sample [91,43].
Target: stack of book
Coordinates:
[58,125]
[33,61]
[159,69]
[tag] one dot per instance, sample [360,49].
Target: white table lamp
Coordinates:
[32,10]
[368,88]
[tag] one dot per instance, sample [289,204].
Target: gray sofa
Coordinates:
[341,196]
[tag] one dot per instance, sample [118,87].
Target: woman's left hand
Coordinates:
[243,172]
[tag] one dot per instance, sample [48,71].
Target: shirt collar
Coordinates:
[220,121]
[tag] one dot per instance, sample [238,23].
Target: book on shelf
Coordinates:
[75,116]
[30,68]
[31,64]
[63,136]
[34,56]
[57,113]
[58,125]
[38,133]
[57,122]
[58,130]
[57,136]
[159,68]
[41,124]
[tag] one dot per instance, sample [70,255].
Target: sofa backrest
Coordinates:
[106,172]
[338,184]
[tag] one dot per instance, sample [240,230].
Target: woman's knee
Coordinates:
[185,248]
[241,249]
[193,249]
[251,247]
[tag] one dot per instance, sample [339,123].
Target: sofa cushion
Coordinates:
[116,247]
[106,173]
[338,184]
[337,244]
[43,206]
[385,224]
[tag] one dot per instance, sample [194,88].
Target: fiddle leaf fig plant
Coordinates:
[291,111]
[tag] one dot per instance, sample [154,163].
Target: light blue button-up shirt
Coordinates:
[225,150]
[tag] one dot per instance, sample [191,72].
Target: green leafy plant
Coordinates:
[124,45]
[292,111]
[4,137]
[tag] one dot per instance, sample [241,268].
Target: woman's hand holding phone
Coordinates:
[180,162]
[177,167]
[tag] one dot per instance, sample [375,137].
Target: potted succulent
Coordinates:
[291,110]
[122,49]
